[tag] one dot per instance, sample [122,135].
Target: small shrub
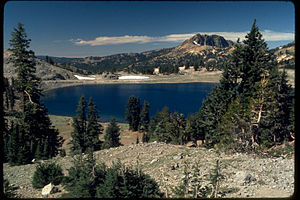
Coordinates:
[8,190]
[46,173]
[88,180]
[62,153]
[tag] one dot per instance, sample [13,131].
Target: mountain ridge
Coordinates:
[201,50]
[209,49]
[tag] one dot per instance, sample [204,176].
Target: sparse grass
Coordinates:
[232,162]
[261,182]
[229,190]
[64,126]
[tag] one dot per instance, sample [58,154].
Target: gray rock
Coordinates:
[154,160]
[249,178]
[178,157]
[48,189]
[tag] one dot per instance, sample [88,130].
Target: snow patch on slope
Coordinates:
[132,77]
[84,78]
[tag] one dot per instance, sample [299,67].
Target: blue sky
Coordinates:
[80,28]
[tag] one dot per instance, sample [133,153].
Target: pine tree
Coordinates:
[132,115]
[83,177]
[211,112]
[27,82]
[111,138]
[158,126]
[13,144]
[6,136]
[292,118]
[33,120]
[278,121]
[233,132]
[176,129]
[94,129]
[144,118]
[194,129]
[24,155]
[255,59]
[79,125]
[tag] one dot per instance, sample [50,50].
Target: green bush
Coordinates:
[125,182]
[8,190]
[46,173]
[62,153]
[88,180]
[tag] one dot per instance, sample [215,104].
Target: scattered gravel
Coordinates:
[244,175]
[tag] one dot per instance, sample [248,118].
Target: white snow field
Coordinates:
[132,77]
[84,78]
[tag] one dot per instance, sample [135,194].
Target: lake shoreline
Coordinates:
[194,77]
[203,77]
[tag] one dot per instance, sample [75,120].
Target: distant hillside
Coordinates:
[200,50]
[44,70]
[285,55]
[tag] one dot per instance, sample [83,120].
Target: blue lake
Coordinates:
[111,99]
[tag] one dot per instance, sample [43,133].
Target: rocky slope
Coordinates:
[244,175]
[44,70]
[285,55]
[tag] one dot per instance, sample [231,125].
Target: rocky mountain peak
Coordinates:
[208,40]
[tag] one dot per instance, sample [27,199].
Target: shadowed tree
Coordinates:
[112,134]
[132,115]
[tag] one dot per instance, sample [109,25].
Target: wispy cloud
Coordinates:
[268,35]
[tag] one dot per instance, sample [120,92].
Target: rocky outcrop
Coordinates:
[208,40]
[44,70]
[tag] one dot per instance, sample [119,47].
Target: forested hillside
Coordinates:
[200,51]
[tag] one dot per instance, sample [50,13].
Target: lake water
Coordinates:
[111,99]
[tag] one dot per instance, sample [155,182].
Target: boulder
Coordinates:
[200,143]
[249,178]
[48,189]
[190,144]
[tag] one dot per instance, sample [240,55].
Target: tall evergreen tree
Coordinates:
[13,144]
[176,129]
[280,118]
[250,90]
[194,129]
[157,126]
[27,82]
[132,115]
[211,112]
[144,118]
[79,125]
[255,59]
[34,123]
[112,134]
[94,129]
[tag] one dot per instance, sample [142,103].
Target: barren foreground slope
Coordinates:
[244,175]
